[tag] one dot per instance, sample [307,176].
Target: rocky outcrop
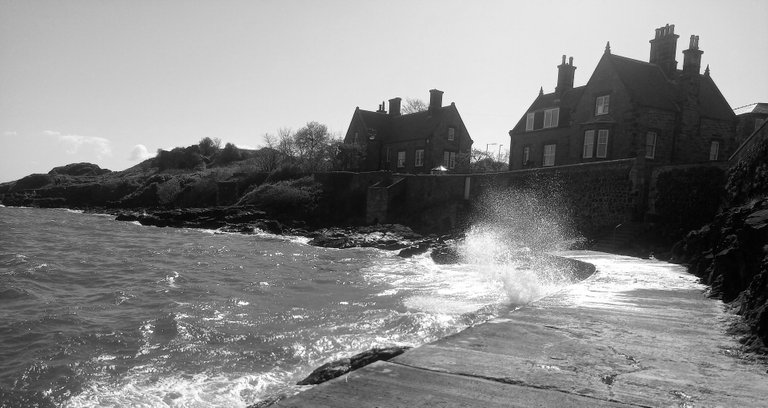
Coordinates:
[231,219]
[731,255]
[338,368]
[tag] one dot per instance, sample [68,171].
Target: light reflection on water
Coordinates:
[99,312]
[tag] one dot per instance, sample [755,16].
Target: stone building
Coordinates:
[750,118]
[629,108]
[408,143]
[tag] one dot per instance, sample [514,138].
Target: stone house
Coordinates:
[749,119]
[629,108]
[408,143]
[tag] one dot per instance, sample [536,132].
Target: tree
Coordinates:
[312,142]
[229,154]
[311,148]
[413,105]
[485,162]
[209,147]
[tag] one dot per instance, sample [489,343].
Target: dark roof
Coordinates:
[645,82]
[647,86]
[759,107]
[567,101]
[412,126]
[712,104]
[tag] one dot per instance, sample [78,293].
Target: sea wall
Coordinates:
[595,196]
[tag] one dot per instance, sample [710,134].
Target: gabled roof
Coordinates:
[712,103]
[566,102]
[647,86]
[759,107]
[646,83]
[411,126]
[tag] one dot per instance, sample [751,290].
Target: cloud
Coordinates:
[99,146]
[140,153]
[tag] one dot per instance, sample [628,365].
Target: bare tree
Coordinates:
[413,105]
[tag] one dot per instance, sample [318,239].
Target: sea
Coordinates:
[96,312]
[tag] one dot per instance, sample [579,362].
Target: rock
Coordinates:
[414,250]
[446,255]
[384,236]
[338,368]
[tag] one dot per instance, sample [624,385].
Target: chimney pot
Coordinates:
[394,106]
[435,99]
[664,49]
[565,74]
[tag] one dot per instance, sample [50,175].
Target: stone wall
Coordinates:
[596,196]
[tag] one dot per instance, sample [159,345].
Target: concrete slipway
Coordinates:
[637,333]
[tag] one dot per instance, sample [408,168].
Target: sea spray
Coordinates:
[511,229]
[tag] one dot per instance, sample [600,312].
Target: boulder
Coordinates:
[338,368]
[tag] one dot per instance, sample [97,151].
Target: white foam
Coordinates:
[143,388]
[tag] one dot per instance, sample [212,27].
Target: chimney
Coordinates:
[664,49]
[692,57]
[394,106]
[435,99]
[565,76]
[381,108]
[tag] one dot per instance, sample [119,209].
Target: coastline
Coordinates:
[615,339]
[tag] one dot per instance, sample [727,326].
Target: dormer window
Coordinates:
[451,133]
[602,105]
[551,117]
[529,121]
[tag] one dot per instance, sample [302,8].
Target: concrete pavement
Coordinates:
[636,333]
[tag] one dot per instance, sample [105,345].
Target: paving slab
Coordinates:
[636,333]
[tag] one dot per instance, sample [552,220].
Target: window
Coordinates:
[650,145]
[551,117]
[601,105]
[451,133]
[419,158]
[401,159]
[714,150]
[526,155]
[589,144]
[602,144]
[449,159]
[549,155]
[529,121]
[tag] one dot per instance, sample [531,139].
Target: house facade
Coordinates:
[629,108]
[408,143]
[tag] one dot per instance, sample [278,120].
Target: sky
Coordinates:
[111,81]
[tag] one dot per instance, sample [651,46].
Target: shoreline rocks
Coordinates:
[731,256]
[338,368]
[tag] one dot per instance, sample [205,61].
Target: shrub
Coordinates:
[179,158]
[32,182]
[285,172]
[288,197]
[229,154]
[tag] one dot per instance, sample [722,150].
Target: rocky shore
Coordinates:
[249,220]
[731,255]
